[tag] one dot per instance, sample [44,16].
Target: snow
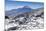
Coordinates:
[32,22]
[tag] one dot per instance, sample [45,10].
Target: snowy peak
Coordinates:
[13,12]
[26,7]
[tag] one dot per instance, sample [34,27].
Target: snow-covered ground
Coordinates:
[34,21]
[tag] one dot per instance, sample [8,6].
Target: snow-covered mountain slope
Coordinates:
[26,21]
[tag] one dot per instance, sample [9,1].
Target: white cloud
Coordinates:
[30,0]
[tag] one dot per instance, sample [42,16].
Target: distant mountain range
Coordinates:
[18,11]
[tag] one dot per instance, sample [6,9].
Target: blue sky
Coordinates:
[16,4]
